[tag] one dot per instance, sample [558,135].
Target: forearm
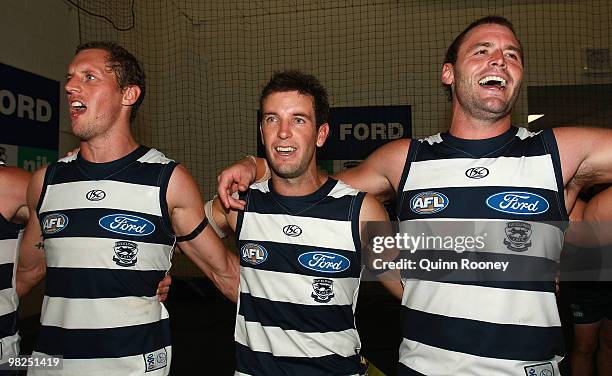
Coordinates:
[223,271]
[26,279]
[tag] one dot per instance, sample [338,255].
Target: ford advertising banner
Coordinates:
[29,118]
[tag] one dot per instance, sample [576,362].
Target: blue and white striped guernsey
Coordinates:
[10,234]
[108,243]
[485,327]
[299,279]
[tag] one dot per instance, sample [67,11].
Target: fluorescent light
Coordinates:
[535,117]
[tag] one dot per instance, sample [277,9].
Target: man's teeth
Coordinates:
[492,80]
[285,149]
[77,105]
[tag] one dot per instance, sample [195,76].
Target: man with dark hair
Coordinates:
[110,217]
[483,168]
[300,245]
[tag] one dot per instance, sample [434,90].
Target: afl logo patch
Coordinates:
[127,224]
[324,262]
[428,202]
[54,223]
[95,195]
[292,230]
[477,172]
[253,253]
[521,203]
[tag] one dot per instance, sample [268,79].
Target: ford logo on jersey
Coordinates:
[127,224]
[54,223]
[428,202]
[253,253]
[522,203]
[325,262]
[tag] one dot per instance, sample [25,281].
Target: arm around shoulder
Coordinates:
[381,172]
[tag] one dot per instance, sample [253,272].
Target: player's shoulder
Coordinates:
[155,156]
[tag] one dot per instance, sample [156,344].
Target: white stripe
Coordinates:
[73,196]
[293,288]
[99,253]
[316,232]
[292,343]
[101,313]
[8,301]
[430,360]
[10,347]
[546,240]
[8,251]
[532,172]
[261,186]
[154,156]
[342,189]
[524,133]
[487,304]
[126,366]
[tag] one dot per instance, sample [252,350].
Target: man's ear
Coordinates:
[322,134]
[448,74]
[130,95]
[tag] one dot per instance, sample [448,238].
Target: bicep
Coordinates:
[380,173]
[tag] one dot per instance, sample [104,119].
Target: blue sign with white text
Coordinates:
[29,109]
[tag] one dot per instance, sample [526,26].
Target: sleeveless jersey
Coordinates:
[10,234]
[512,185]
[108,243]
[299,279]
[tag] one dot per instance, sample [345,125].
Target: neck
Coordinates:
[303,185]
[471,128]
[108,148]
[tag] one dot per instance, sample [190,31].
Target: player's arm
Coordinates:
[31,267]
[205,249]
[13,188]
[373,211]
[586,158]
[380,173]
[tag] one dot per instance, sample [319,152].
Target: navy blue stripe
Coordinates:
[303,318]
[329,207]
[499,341]
[265,364]
[91,283]
[104,343]
[9,230]
[470,202]
[85,223]
[402,370]
[6,276]
[128,170]
[450,266]
[8,324]
[284,258]
[506,144]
